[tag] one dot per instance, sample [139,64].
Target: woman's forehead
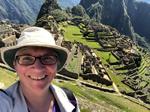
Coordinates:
[36,50]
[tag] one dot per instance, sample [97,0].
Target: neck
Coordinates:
[41,101]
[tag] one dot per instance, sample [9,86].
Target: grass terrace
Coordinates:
[7,77]
[71,36]
[89,99]
[106,56]
[73,33]
[106,100]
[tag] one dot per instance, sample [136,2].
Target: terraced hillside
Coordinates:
[100,60]
[90,100]
[111,56]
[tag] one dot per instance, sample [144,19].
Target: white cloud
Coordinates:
[148,1]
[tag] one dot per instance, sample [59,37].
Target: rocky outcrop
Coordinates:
[139,13]
[47,7]
[26,11]
[111,12]
[127,16]
[22,11]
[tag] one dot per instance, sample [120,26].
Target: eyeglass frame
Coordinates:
[35,58]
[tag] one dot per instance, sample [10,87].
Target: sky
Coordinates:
[148,1]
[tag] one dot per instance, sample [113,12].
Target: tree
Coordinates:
[78,11]
[47,7]
[59,15]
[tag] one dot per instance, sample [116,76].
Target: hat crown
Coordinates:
[35,36]
[38,37]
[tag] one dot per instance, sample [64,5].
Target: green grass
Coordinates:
[7,77]
[117,80]
[142,66]
[103,34]
[70,30]
[107,100]
[106,56]
[73,33]
[103,98]
[72,65]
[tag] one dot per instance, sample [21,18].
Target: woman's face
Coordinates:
[35,76]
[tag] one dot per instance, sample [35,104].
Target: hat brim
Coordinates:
[8,54]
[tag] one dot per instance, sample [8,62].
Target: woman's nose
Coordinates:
[38,64]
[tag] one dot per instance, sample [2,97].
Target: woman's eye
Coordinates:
[27,59]
[47,59]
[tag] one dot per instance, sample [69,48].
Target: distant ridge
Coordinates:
[26,11]
[20,11]
[128,16]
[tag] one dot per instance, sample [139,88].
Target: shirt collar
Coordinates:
[62,99]
[21,106]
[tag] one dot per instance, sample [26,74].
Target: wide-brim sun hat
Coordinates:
[38,37]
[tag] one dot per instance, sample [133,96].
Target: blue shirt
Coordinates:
[15,102]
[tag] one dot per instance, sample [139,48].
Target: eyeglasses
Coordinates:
[30,60]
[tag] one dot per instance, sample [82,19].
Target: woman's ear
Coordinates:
[58,62]
[14,64]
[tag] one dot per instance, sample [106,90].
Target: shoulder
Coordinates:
[61,98]
[6,102]
[57,90]
[62,90]
[7,98]
[65,98]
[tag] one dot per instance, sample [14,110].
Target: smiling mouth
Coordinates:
[37,78]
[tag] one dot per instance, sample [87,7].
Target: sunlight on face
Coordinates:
[37,75]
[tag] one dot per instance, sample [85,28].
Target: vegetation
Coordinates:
[71,36]
[59,15]
[72,33]
[7,77]
[89,99]
[113,101]
[79,11]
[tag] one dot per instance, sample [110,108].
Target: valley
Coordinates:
[93,72]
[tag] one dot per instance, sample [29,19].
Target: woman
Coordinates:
[36,59]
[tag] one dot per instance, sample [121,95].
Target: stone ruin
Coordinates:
[91,67]
[129,59]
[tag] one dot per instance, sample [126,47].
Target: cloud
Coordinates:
[148,1]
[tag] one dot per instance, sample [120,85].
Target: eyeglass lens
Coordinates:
[29,60]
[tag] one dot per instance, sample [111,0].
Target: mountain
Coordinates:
[26,11]
[139,13]
[111,12]
[47,7]
[20,11]
[127,16]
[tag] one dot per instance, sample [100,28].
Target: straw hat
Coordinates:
[34,36]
